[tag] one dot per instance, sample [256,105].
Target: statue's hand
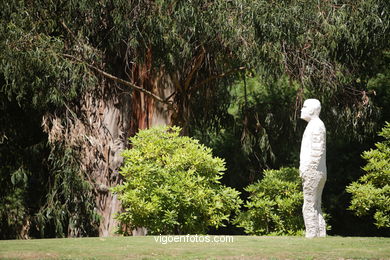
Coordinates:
[301,171]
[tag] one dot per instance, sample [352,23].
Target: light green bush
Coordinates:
[274,204]
[171,185]
[371,193]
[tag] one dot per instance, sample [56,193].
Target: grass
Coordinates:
[243,247]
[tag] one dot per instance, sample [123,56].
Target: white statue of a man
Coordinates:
[312,168]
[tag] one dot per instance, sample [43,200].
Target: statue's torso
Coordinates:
[313,147]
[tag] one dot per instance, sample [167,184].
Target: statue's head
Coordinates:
[311,109]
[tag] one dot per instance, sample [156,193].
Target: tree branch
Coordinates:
[119,80]
[197,64]
[218,77]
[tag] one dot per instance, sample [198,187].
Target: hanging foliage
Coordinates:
[95,72]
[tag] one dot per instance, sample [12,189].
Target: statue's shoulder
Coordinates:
[318,124]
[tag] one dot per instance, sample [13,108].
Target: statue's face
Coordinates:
[311,109]
[306,111]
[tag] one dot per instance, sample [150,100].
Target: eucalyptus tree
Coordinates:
[95,72]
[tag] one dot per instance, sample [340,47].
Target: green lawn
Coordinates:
[243,247]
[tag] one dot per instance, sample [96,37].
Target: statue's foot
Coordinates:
[322,234]
[310,235]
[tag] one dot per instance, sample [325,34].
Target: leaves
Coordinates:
[195,49]
[371,193]
[274,205]
[172,185]
[69,206]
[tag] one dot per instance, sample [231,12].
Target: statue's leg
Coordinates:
[321,220]
[310,214]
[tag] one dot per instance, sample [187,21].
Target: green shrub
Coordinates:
[274,204]
[371,193]
[171,185]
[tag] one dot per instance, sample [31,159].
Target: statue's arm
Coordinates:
[318,143]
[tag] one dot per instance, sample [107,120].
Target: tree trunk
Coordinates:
[146,111]
[99,128]
[113,133]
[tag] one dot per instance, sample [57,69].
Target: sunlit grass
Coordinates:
[243,247]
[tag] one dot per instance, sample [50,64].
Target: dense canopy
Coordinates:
[77,78]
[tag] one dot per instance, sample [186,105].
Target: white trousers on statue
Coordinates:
[313,183]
